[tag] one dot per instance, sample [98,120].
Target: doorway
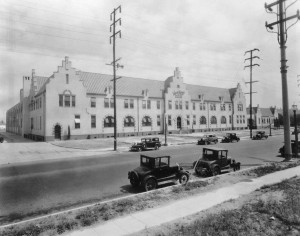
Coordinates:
[57,132]
[178,122]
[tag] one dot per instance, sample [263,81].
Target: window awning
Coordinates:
[77,120]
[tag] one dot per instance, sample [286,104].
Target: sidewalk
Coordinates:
[154,217]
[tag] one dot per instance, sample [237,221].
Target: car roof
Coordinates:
[216,149]
[154,157]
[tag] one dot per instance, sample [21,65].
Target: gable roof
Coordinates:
[96,83]
[266,112]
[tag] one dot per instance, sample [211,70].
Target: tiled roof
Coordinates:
[40,80]
[254,110]
[128,86]
[266,112]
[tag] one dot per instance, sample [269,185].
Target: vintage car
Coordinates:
[154,170]
[230,137]
[208,139]
[213,161]
[293,143]
[260,135]
[146,143]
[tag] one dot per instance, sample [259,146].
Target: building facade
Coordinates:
[71,104]
[263,117]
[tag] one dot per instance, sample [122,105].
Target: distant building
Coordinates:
[262,117]
[2,125]
[72,104]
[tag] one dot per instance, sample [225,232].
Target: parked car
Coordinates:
[260,135]
[1,139]
[230,137]
[208,139]
[293,143]
[213,161]
[146,143]
[153,170]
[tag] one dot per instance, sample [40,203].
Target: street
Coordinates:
[52,185]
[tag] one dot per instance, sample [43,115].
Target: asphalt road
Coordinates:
[51,185]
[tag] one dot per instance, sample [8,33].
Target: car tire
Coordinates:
[184,178]
[216,171]
[134,180]
[150,184]
[139,149]
[156,147]
[205,143]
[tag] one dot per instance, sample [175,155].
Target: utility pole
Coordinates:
[251,82]
[113,37]
[282,38]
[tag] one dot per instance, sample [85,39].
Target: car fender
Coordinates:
[130,173]
[149,177]
[213,166]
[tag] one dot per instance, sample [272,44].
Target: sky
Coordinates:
[207,40]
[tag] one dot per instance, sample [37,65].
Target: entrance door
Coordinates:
[57,132]
[178,122]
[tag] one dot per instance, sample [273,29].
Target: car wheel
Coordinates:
[139,149]
[216,171]
[134,181]
[150,184]
[216,141]
[205,143]
[184,178]
[156,147]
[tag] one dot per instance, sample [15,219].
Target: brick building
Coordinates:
[73,104]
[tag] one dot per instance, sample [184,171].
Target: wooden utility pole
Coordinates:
[251,82]
[113,37]
[282,38]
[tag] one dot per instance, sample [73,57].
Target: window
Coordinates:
[106,102]
[128,121]
[212,106]
[148,104]
[109,121]
[194,119]
[93,121]
[213,120]
[243,119]
[194,106]
[67,78]
[158,120]
[169,120]
[126,103]
[180,105]
[222,107]
[240,107]
[223,120]
[186,105]
[230,120]
[158,104]
[93,102]
[176,105]
[146,121]
[73,101]
[131,104]
[77,121]
[31,123]
[187,120]
[170,104]
[144,104]
[202,120]
[229,107]
[40,122]
[67,100]
[237,119]
[112,102]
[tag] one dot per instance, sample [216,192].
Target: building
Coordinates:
[262,117]
[71,104]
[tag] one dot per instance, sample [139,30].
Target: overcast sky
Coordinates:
[205,39]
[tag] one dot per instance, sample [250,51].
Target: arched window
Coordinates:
[109,121]
[128,121]
[202,120]
[213,120]
[146,121]
[223,120]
